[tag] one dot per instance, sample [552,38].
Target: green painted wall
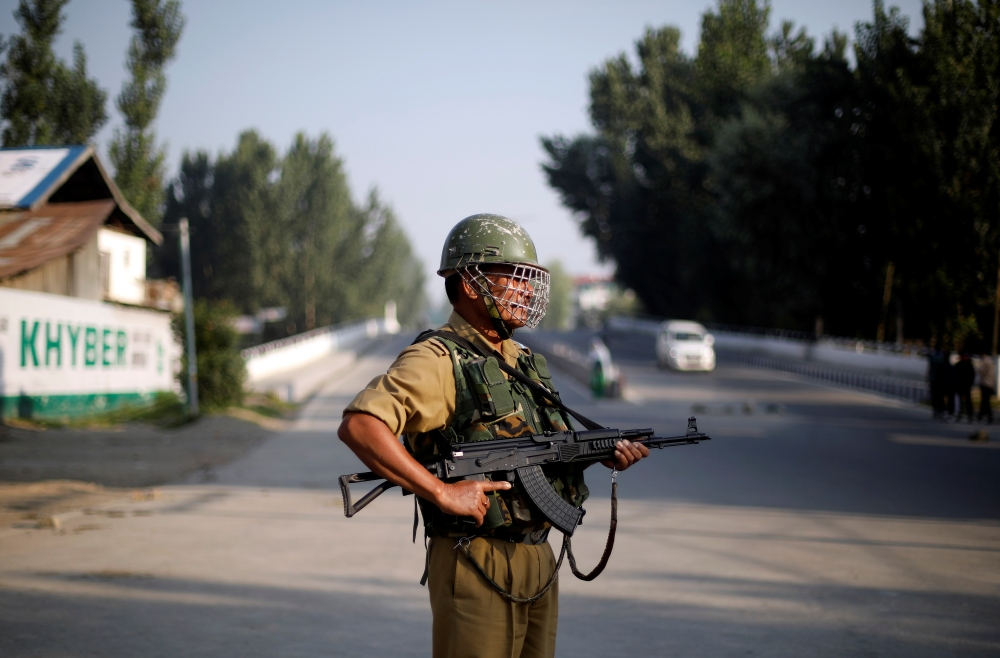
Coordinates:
[55,407]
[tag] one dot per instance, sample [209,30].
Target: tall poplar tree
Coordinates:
[137,158]
[44,101]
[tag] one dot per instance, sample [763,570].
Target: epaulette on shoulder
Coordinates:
[436,345]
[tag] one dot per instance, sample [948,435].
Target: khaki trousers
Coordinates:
[471,620]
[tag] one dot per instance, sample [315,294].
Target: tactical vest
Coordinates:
[488,406]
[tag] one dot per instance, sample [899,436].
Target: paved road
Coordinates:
[817,521]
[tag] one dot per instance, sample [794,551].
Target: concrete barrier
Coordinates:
[293,368]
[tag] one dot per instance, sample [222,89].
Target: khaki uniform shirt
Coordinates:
[417,394]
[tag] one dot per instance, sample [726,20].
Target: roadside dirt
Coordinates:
[44,472]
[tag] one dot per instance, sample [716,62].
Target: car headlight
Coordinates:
[673,353]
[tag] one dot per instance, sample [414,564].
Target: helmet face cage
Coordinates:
[523,293]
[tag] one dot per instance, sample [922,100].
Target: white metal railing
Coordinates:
[839,352]
[859,364]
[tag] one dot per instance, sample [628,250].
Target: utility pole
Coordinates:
[189,319]
[996,313]
[996,327]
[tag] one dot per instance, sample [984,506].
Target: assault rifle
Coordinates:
[521,459]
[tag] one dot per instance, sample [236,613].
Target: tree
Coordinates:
[933,148]
[638,186]
[77,102]
[790,205]
[733,52]
[137,158]
[282,230]
[45,102]
[560,310]
[766,183]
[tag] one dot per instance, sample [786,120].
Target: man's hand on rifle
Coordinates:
[468,498]
[626,454]
[372,441]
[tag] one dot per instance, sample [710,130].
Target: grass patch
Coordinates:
[269,405]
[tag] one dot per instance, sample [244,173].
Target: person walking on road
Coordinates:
[935,379]
[948,385]
[439,391]
[987,387]
[965,376]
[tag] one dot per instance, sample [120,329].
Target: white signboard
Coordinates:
[62,356]
[21,170]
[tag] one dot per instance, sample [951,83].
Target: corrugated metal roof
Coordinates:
[30,176]
[31,238]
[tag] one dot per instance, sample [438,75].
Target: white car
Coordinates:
[684,345]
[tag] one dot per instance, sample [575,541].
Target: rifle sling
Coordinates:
[567,549]
[513,372]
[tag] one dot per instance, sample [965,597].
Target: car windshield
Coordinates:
[681,335]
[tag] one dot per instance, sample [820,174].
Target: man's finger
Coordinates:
[496,486]
[624,454]
[634,452]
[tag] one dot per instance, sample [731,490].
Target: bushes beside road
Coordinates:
[221,369]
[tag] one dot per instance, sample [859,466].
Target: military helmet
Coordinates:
[485,240]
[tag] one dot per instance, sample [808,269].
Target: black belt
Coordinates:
[514,537]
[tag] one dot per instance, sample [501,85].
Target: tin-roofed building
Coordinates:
[65,228]
[72,272]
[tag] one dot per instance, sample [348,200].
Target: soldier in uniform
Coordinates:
[438,390]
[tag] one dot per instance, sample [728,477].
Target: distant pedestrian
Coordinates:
[948,385]
[935,379]
[965,375]
[987,386]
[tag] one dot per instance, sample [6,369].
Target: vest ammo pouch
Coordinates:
[490,406]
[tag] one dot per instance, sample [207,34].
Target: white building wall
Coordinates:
[126,266]
[73,356]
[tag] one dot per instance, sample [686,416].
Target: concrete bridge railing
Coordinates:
[294,367]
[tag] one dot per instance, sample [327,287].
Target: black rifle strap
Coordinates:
[608,547]
[567,549]
[466,542]
[513,372]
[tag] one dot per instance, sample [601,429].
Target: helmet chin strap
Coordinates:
[498,324]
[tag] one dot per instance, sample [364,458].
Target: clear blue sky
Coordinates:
[439,104]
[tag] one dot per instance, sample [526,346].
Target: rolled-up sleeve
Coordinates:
[417,394]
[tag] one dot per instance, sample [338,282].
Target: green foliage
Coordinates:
[560,313]
[733,53]
[282,230]
[137,158]
[766,183]
[44,101]
[221,368]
